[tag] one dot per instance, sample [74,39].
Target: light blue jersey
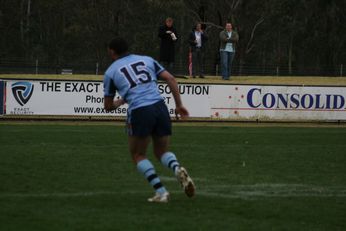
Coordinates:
[134,77]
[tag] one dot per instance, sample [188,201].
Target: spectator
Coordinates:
[197,40]
[168,36]
[228,40]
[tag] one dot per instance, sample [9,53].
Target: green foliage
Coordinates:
[296,33]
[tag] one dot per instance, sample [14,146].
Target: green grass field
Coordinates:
[80,177]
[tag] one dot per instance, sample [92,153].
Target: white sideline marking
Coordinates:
[259,194]
[232,192]
[272,190]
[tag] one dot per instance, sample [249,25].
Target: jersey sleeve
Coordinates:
[158,68]
[109,88]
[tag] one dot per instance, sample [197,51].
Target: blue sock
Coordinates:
[147,169]
[170,161]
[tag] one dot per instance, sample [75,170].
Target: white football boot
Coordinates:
[160,198]
[186,182]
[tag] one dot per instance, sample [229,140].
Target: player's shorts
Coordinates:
[152,120]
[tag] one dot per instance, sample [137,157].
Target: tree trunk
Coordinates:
[290,53]
[22,21]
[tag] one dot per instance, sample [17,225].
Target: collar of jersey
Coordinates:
[122,56]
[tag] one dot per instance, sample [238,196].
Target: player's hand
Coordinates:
[168,32]
[182,111]
[117,103]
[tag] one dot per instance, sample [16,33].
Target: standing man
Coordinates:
[168,36]
[228,40]
[197,40]
[134,77]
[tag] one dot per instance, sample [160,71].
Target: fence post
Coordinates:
[341,70]
[36,67]
[277,71]
[217,69]
[97,68]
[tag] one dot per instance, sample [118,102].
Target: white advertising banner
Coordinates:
[235,102]
[250,102]
[86,98]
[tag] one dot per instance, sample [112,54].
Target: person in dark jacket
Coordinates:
[197,41]
[168,36]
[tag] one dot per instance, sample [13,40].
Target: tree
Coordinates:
[294,35]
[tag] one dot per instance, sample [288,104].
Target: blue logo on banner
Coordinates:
[22,92]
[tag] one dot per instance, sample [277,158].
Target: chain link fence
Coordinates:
[212,68]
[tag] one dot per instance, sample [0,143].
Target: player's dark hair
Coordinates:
[169,19]
[119,46]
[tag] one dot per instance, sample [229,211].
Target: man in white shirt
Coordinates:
[197,40]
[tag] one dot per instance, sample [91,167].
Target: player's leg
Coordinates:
[139,139]
[138,147]
[161,134]
[169,160]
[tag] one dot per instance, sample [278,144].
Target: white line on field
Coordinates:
[259,194]
[230,192]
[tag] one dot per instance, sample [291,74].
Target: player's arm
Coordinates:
[109,88]
[173,85]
